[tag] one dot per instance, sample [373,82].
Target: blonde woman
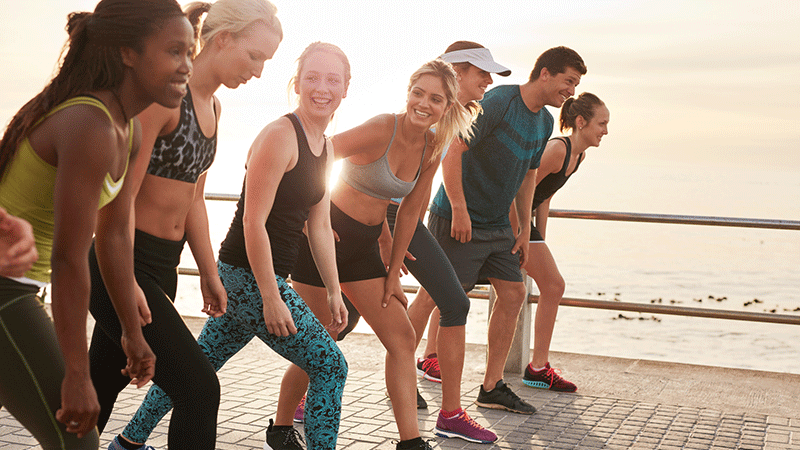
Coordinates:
[287,170]
[389,156]
[235,39]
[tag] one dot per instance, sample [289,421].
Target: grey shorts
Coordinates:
[487,255]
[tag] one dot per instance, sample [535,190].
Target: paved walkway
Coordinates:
[620,404]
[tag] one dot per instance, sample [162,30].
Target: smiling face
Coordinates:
[427,101]
[595,129]
[243,56]
[162,68]
[561,86]
[472,84]
[322,84]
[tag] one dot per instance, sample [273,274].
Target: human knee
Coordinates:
[553,288]
[513,294]
[401,339]
[330,365]
[455,314]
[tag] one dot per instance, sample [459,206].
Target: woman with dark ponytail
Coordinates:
[63,160]
[587,117]
[234,40]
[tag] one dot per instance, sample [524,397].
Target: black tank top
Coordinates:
[553,182]
[299,190]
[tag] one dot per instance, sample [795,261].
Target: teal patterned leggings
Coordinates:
[312,349]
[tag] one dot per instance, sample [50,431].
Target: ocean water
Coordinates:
[644,262]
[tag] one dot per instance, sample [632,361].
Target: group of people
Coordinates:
[102,185]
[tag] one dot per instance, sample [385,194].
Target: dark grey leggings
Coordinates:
[33,368]
[433,271]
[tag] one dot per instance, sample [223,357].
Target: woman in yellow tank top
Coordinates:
[63,159]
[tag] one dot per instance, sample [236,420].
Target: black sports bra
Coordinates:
[185,153]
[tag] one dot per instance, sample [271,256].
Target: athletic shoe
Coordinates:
[547,378]
[115,445]
[300,412]
[502,397]
[423,445]
[287,438]
[421,403]
[464,427]
[428,368]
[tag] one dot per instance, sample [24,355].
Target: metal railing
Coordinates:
[523,327]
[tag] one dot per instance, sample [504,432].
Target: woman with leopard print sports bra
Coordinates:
[235,39]
[284,188]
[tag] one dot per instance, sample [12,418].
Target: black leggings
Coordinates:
[182,369]
[33,368]
[433,271]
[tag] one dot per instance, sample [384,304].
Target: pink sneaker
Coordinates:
[428,368]
[464,427]
[300,412]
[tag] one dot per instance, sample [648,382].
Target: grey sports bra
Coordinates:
[376,179]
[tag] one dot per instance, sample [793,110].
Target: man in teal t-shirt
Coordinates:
[482,179]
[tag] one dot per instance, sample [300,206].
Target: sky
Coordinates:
[695,83]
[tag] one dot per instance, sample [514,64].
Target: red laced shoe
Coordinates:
[428,368]
[547,378]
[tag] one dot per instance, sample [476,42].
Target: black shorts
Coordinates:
[535,235]
[358,256]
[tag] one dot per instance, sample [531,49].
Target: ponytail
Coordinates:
[583,106]
[91,59]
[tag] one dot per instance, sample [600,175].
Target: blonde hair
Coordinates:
[457,120]
[233,16]
[319,47]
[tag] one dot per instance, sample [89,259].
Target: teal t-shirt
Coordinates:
[508,141]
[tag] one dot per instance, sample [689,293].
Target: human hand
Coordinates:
[145,317]
[339,314]
[277,318]
[215,297]
[393,289]
[141,364]
[79,406]
[521,246]
[461,226]
[17,245]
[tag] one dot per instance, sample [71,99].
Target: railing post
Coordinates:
[520,351]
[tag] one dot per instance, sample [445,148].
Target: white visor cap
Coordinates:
[478,57]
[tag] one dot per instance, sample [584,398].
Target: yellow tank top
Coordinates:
[26,191]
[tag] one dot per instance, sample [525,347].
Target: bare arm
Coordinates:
[323,249]
[404,228]
[271,154]
[84,138]
[114,248]
[461,224]
[542,212]
[523,203]
[215,298]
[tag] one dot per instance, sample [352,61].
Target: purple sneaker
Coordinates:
[464,427]
[115,445]
[300,412]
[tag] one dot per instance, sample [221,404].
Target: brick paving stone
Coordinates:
[563,421]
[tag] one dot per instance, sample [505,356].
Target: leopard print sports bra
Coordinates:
[185,153]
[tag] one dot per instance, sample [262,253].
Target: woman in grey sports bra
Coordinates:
[388,156]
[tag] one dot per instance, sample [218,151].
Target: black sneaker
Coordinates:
[423,445]
[421,403]
[502,397]
[285,438]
